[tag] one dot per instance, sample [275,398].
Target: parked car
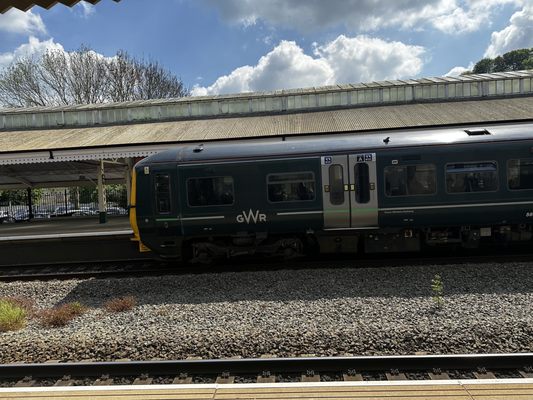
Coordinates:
[4,216]
[24,215]
[63,211]
[116,211]
[83,212]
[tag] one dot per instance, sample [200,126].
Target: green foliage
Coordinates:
[26,303]
[12,316]
[437,289]
[484,66]
[20,196]
[514,60]
[115,194]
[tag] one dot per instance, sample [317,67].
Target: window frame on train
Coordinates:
[387,190]
[291,181]
[530,160]
[495,173]
[158,192]
[221,204]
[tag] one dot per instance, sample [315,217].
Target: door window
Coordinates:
[336,184]
[362,183]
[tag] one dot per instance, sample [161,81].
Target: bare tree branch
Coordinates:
[85,77]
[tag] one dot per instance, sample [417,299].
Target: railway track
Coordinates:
[271,370]
[139,268]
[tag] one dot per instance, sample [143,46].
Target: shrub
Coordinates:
[12,316]
[62,315]
[120,304]
[25,303]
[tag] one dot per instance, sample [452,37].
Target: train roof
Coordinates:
[337,143]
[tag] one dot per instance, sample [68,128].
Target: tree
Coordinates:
[484,66]
[19,196]
[514,60]
[85,77]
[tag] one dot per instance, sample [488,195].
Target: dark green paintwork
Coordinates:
[251,194]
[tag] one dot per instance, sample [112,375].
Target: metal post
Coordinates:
[30,208]
[101,193]
[129,166]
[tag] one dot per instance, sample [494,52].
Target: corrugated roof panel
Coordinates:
[333,121]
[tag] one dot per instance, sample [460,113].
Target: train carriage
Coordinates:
[373,192]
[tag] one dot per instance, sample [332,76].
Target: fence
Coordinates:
[59,202]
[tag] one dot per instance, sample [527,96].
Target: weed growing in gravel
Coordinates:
[437,288]
[12,316]
[26,303]
[120,304]
[62,315]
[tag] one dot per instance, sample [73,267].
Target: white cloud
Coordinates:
[86,9]
[34,47]
[518,34]
[16,21]
[449,16]
[456,71]
[343,60]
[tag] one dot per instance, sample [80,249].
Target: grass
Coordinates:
[437,289]
[61,315]
[25,303]
[120,304]
[12,316]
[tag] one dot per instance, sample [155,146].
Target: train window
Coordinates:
[336,184]
[162,193]
[410,180]
[362,183]
[472,177]
[292,186]
[216,191]
[520,174]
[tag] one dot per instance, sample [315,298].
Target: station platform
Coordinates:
[67,239]
[64,227]
[499,389]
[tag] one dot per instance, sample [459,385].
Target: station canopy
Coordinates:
[62,146]
[25,5]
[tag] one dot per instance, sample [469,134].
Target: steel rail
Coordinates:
[408,363]
[134,268]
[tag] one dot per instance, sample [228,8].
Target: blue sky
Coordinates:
[228,46]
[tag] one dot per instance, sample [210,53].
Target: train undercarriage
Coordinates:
[207,250]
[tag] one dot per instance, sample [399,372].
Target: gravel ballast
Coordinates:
[367,311]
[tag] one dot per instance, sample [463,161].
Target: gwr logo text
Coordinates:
[251,216]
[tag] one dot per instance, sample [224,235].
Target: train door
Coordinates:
[349,192]
[363,194]
[336,196]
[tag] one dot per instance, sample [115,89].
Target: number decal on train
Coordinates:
[251,216]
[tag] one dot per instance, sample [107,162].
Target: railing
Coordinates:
[60,202]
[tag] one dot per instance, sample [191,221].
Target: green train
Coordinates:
[389,191]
